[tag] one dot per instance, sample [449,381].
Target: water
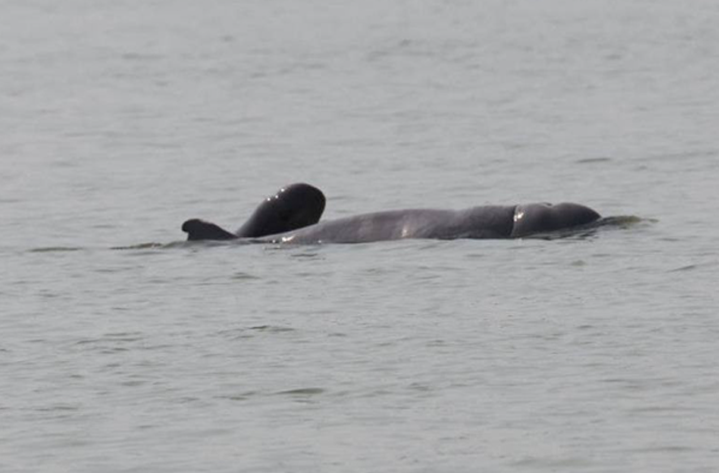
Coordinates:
[125,349]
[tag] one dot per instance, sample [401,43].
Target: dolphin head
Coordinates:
[542,218]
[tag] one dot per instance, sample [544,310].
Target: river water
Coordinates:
[125,349]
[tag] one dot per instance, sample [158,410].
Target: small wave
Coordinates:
[150,246]
[624,221]
[302,392]
[187,244]
[272,328]
[689,267]
[124,337]
[590,229]
[250,332]
[241,396]
[593,160]
[135,247]
[55,249]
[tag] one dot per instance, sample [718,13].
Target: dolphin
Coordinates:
[292,216]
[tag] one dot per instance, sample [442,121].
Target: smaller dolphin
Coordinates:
[292,207]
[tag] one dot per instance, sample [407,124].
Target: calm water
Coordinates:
[126,350]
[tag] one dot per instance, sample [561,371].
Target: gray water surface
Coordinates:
[125,349]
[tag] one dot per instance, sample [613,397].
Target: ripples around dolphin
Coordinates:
[615,222]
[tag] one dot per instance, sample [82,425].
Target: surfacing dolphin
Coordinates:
[292,216]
